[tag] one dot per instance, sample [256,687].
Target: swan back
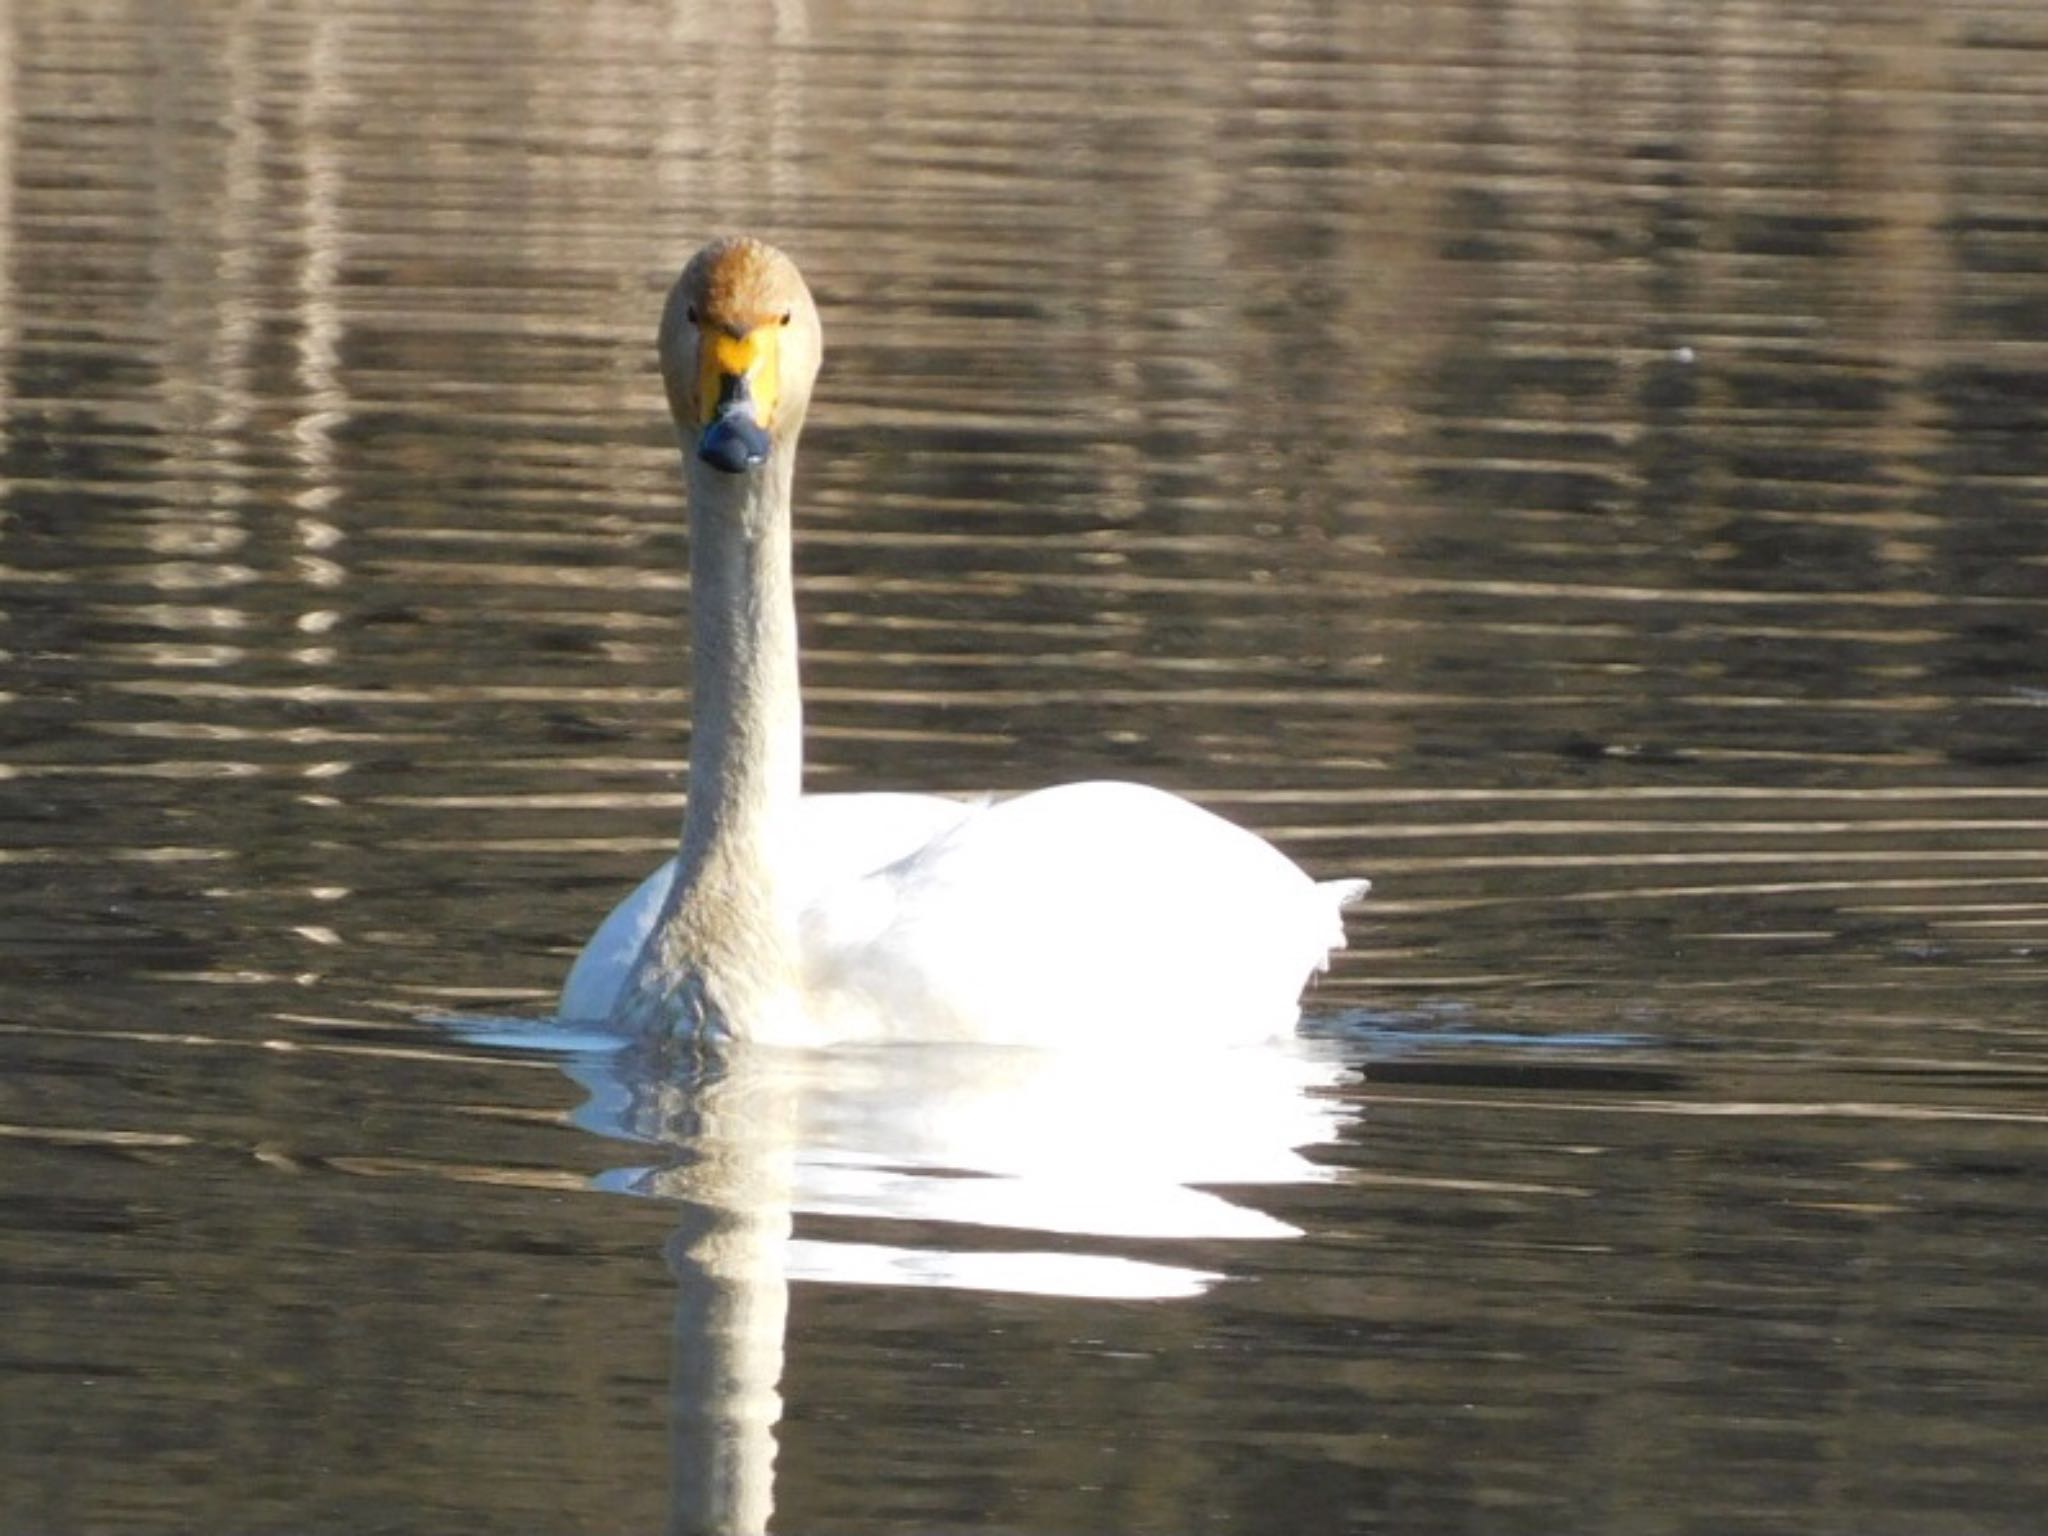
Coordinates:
[1081,915]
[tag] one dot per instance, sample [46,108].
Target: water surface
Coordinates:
[1581,464]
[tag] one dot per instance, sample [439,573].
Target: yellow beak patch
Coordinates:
[738,366]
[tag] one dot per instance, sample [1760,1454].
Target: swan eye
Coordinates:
[691,314]
[788,315]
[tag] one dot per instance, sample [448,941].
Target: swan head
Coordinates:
[740,347]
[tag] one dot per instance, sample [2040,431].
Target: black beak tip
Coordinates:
[733,444]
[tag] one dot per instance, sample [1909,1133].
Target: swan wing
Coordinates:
[1084,914]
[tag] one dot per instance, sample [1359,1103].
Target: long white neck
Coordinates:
[746,735]
[723,950]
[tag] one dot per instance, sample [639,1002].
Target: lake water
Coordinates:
[1583,464]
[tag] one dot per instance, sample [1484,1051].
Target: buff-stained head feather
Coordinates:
[740,309]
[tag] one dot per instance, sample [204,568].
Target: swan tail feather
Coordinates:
[1344,894]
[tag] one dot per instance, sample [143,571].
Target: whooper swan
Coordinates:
[1088,914]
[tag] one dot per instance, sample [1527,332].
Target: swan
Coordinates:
[1087,914]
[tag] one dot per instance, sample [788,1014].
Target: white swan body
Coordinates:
[1096,913]
[839,839]
[1079,915]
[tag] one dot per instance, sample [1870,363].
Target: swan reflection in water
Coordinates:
[1000,1144]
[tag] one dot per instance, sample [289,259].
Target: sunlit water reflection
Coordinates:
[1112,1144]
[1007,1146]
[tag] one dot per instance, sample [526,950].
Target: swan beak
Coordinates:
[733,440]
[736,390]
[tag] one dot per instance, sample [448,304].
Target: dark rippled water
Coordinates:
[1585,465]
